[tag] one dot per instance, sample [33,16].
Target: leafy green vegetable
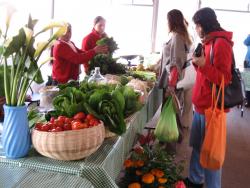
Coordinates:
[117,95]
[112,45]
[69,102]
[107,65]
[35,116]
[72,83]
[143,75]
[124,80]
[131,101]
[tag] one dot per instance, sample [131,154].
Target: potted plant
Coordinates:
[20,54]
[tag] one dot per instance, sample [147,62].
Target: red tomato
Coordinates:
[92,122]
[52,119]
[96,122]
[84,125]
[59,123]
[79,125]
[67,127]
[57,129]
[68,120]
[79,116]
[52,125]
[90,116]
[61,118]
[46,127]
[76,125]
[38,126]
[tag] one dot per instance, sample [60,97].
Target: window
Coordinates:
[233,16]
[129,25]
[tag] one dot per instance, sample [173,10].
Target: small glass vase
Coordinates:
[97,77]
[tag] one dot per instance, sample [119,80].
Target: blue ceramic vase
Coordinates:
[16,137]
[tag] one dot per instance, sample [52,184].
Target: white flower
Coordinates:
[28,33]
[60,32]
[10,10]
[40,48]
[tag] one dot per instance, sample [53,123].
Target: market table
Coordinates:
[98,170]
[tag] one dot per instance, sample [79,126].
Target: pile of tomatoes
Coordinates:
[62,123]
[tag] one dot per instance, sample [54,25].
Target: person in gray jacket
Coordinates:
[174,58]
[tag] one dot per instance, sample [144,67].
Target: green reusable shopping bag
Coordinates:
[166,128]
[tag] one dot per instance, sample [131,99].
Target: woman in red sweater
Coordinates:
[211,33]
[67,58]
[98,32]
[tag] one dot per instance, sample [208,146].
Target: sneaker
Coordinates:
[190,184]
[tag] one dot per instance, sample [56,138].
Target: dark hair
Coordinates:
[207,18]
[98,19]
[178,24]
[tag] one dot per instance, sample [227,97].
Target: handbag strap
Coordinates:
[215,99]
[212,53]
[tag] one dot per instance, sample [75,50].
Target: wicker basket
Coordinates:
[68,145]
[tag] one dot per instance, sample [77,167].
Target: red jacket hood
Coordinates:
[225,34]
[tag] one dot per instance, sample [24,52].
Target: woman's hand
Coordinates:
[199,61]
[101,49]
[169,92]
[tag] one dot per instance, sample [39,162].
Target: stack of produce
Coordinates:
[66,138]
[109,103]
[63,123]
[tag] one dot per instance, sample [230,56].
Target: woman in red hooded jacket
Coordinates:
[211,33]
[67,58]
[98,32]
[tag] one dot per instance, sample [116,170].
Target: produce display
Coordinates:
[63,123]
[109,103]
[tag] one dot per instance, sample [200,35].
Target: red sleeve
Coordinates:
[173,77]
[64,52]
[85,45]
[221,63]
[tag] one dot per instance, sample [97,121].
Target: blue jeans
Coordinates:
[197,174]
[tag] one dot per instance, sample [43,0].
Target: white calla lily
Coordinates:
[10,11]
[52,25]
[28,33]
[40,48]
[60,32]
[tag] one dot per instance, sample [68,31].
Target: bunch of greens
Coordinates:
[143,75]
[109,103]
[109,108]
[131,98]
[107,65]
[69,102]
[112,45]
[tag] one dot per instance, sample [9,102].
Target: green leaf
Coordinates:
[1,50]
[33,69]
[16,44]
